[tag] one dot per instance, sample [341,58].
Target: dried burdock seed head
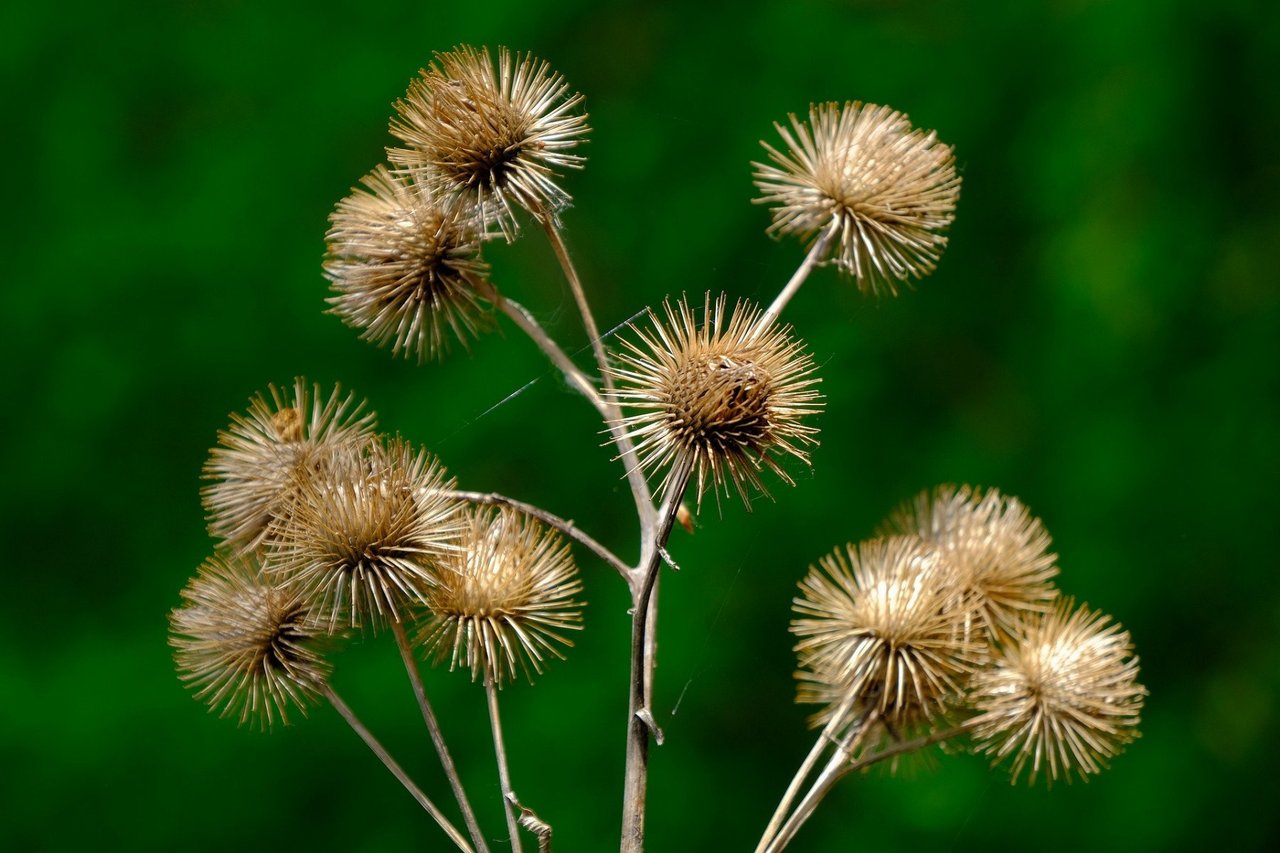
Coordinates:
[491,138]
[248,648]
[881,626]
[267,452]
[728,395]
[405,268]
[1064,698]
[998,550]
[502,605]
[885,191]
[361,544]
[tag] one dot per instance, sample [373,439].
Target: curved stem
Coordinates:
[378,750]
[565,526]
[798,278]
[640,722]
[504,775]
[437,738]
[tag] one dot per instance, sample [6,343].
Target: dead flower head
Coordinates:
[997,548]
[1064,698]
[490,137]
[726,397]
[362,542]
[881,192]
[249,649]
[881,628]
[405,269]
[502,605]
[265,453]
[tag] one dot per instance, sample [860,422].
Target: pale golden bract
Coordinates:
[997,548]
[885,191]
[246,647]
[267,452]
[362,542]
[1064,699]
[405,268]
[492,139]
[503,604]
[881,624]
[730,395]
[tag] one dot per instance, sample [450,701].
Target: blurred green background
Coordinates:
[1102,339]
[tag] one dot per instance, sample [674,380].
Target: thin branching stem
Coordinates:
[504,774]
[437,737]
[612,415]
[830,774]
[370,741]
[640,722]
[565,526]
[798,278]
[527,323]
[824,739]
[904,747]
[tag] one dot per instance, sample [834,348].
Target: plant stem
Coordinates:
[504,775]
[579,295]
[830,774]
[524,319]
[612,415]
[825,738]
[437,737]
[565,526]
[798,278]
[378,750]
[640,724]
[908,746]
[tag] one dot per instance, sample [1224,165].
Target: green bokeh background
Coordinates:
[1102,339]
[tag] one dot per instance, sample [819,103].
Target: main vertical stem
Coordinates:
[504,775]
[640,723]
[437,738]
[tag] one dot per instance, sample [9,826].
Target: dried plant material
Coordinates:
[998,549]
[247,648]
[362,543]
[502,605]
[885,191]
[1064,699]
[405,268]
[882,624]
[491,138]
[267,452]
[731,395]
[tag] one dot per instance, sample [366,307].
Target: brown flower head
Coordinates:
[503,603]
[1064,698]
[247,648]
[727,396]
[362,543]
[883,191]
[492,138]
[998,550]
[404,269]
[881,625]
[265,453]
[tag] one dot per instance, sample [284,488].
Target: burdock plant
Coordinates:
[945,628]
